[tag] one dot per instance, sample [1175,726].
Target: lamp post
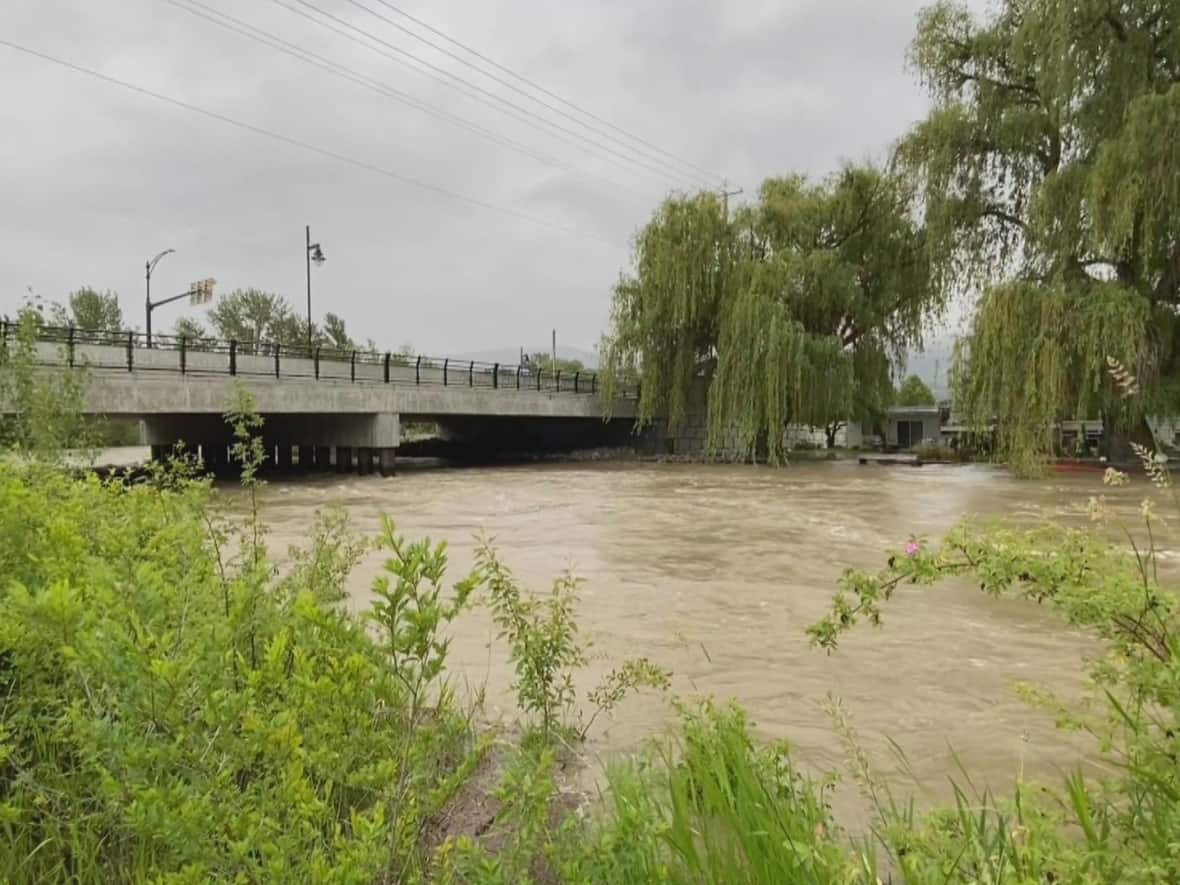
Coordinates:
[149,266]
[316,254]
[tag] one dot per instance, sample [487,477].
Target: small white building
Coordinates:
[909,426]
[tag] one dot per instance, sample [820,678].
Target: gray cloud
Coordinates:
[96,179]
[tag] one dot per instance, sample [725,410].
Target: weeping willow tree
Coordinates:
[1049,171]
[794,311]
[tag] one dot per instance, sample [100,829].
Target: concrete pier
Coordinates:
[306,457]
[213,455]
[388,458]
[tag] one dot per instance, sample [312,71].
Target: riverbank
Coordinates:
[712,572]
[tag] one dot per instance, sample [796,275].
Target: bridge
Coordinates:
[327,408]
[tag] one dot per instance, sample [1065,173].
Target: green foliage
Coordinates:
[336,335]
[1024,382]
[542,635]
[545,362]
[250,316]
[712,807]
[173,712]
[113,432]
[412,613]
[40,413]
[89,310]
[191,330]
[793,311]
[914,392]
[1126,822]
[322,567]
[1043,187]
[630,676]
[542,638]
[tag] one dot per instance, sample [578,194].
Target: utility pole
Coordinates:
[554,350]
[309,291]
[726,193]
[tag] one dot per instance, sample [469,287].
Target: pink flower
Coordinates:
[911,547]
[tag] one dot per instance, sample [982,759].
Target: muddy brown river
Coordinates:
[715,572]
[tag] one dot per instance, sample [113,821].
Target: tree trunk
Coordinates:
[1118,437]
[830,431]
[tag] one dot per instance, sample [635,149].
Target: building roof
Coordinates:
[910,411]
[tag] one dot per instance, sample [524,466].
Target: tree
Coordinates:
[336,335]
[795,310]
[251,316]
[545,362]
[914,392]
[91,311]
[44,408]
[191,330]
[1049,178]
[290,330]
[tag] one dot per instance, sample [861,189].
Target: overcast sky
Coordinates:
[95,178]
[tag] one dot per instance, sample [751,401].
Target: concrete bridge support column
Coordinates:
[323,458]
[343,459]
[388,461]
[364,461]
[212,455]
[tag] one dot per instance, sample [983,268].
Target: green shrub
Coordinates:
[545,651]
[173,712]
[711,806]
[1122,827]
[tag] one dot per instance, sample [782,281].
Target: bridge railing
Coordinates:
[130,352]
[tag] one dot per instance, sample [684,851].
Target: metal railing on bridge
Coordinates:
[130,352]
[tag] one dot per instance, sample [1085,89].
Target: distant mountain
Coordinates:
[510,356]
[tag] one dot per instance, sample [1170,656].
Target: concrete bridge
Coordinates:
[327,408]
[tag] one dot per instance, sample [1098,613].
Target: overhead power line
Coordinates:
[305,145]
[484,95]
[537,86]
[266,38]
[643,150]
[350,32]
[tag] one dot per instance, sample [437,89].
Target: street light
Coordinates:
[149,266]
[316,254]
